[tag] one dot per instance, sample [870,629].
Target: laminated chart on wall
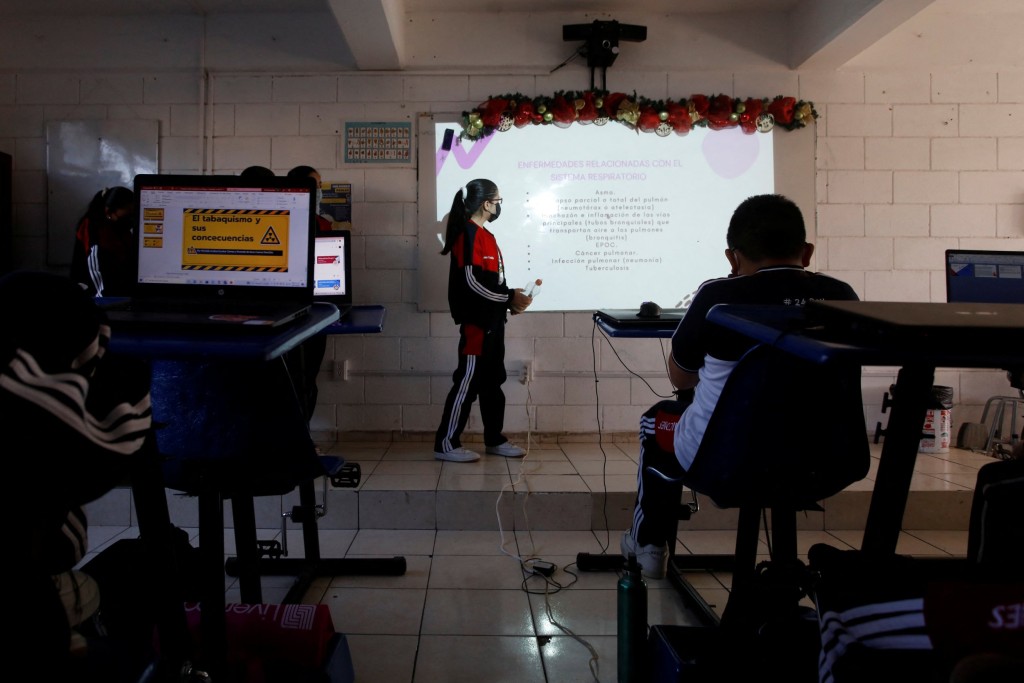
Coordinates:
[235,240]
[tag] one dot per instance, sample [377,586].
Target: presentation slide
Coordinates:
[608,217]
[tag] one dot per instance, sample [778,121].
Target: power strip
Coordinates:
[542,568]
[588,562]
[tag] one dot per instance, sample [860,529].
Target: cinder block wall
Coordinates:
[908,165]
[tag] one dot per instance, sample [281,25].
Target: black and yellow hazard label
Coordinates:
[153,242]
[153,214]
[153,228]
[270,237]
[235,240]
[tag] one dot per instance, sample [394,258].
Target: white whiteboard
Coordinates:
[82,158]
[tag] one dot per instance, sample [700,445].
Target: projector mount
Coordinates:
[601,45]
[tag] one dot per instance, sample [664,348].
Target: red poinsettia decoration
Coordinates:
[717,112]
[586,109]
[562,113]
[678,118]
[491,111]
[720,113]
[525,113]
[749,111]
[782,109]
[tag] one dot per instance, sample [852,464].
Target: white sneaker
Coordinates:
[653,559]
[507,449]
[459,454]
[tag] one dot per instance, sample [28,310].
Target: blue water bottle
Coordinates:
[632,614]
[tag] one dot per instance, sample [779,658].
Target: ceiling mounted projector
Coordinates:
[602,39]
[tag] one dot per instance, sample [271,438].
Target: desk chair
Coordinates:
[235,431]
[785,434]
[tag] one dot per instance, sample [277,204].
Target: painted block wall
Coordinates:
[908,165]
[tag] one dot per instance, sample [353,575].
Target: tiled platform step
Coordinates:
[551,510]
[562,487]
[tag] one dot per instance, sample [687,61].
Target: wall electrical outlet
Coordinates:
[526,374]
[341,370]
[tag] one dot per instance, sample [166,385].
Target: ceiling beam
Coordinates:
[374,32]
[826,35]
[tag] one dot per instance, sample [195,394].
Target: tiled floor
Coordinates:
[464,611]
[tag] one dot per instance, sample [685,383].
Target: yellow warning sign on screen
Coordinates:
[238,240]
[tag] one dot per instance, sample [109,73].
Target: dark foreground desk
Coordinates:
[792,330]
[226,411]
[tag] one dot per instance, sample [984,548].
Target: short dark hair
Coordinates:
[767,226]
[256,172]
[301,172]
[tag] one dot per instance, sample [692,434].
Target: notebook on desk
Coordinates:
[220,250]
[915,321]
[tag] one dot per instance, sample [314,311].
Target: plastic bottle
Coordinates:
[632,617]
[533,288]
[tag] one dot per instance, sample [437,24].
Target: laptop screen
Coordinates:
[332,267]
[983,276]
[232,236]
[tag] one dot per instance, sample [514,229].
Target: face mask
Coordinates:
[319,198]
[497,212]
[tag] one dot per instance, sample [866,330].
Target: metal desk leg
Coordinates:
[896,465]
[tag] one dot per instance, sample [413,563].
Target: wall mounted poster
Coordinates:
[378,143]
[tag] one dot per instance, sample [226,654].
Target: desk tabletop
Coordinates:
[366,319]
[221,343]
[788,328]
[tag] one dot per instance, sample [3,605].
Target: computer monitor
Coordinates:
[332,268]
[225,236]
[984,276]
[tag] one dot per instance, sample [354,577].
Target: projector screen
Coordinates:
[607,217]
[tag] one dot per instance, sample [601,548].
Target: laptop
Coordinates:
[916,321]
[220,251]
[629,318]
[332,268]
[987,276]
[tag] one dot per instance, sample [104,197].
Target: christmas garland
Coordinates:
[662,117]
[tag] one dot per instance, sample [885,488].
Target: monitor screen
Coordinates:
[983,276]
[224,232]
[332,267]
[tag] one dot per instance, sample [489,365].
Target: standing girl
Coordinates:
[479,299]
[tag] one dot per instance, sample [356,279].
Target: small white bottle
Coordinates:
[532,289]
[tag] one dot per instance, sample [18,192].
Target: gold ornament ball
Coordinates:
[541,108]
[478,124]
[798,116]
[734,117]
[740,108]
[548,116]
[599,102]
[663,116]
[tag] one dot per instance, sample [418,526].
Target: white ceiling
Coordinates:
[820,34]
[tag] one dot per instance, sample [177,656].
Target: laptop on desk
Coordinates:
[630,318]
[984,276]
[220,251]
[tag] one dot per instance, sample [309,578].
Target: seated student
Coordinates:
[104,251]
[323,222]
[768,254]
[73,419]
[307,357]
